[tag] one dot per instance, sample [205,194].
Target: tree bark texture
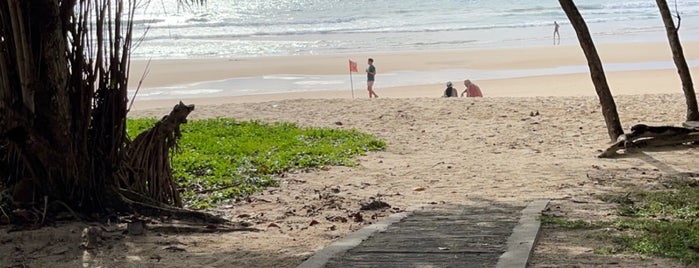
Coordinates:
[63,95]
[38,123]
[611,117]
[680,61]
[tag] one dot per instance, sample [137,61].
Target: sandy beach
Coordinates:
[476,151]
[643,80]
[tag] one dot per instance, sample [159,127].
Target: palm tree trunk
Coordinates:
[680,61]
[611,117]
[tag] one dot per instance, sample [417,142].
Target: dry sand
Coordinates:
[462,150]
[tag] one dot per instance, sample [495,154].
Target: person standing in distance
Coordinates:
[556,33]
[370,74]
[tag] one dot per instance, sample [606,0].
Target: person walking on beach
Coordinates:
[556,33]
[472,90]
[370,74]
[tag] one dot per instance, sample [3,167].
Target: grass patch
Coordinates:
[221,159]
[566,224]
[678,203]
[661,223]
[674,239]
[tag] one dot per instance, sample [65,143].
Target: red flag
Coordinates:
[353,66]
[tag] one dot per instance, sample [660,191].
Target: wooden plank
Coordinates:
[441,235]
[434,251]
[447,228]
[417,260]
[458,236]
[460,219]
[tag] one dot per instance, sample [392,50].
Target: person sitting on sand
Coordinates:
[450,91]
[472,90]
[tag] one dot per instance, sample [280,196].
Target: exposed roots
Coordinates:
[131,201]
[643,136]
[148,171]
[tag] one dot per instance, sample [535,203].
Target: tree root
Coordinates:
[188,229]
[143,205]
[643,136]
[148,170]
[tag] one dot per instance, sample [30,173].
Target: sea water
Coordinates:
[248,28]
[253,28]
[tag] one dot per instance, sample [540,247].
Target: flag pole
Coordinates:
[351,84]
[350,75]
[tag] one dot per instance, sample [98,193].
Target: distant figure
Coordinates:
[370,74]
[450,91]
[556,33]
[472,90]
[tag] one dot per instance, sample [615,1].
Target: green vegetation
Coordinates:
[566,224]
[661,223]
[221,159]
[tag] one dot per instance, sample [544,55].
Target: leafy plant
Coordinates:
[221,159]
[662,223]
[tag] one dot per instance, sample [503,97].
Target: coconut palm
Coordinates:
[611,117]
[679,59]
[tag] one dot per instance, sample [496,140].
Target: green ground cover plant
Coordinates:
[222,159]
[661,223]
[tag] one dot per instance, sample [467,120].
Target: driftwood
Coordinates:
[644,136]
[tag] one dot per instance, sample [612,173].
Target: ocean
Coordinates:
[256,28]
[250,28]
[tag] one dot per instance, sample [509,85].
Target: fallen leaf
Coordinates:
[175,249]
[375,205]
[419,189]
[357,217]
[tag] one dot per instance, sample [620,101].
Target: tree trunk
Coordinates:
[37,101]
[611,117]
[63,86]
[680,61]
